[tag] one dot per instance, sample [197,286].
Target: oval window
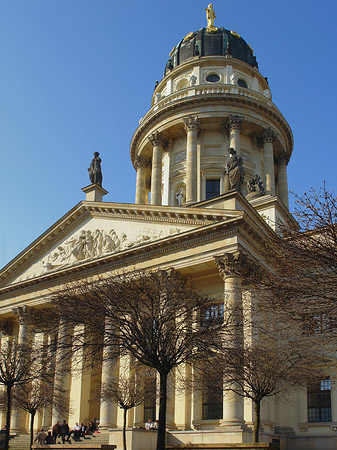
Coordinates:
[242,83]
[213,78]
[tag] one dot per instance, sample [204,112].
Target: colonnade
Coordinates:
[149,170]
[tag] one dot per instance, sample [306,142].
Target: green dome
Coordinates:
[203,43]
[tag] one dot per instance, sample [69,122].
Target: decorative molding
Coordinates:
[139,162]
[233,264]
[191,123]
[283,159]
[269,135]
[24,315]
[157,139]
[234,122]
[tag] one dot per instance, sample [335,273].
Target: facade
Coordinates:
[211,158]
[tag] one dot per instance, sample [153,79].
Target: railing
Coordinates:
[218,89]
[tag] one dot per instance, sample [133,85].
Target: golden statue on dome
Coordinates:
[210,15]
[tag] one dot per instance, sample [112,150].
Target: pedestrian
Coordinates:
[56,431]
[64,431]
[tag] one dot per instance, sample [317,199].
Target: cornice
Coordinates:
[119,211]
[164,246]
[154,118]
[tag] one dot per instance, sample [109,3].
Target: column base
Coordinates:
[234,426]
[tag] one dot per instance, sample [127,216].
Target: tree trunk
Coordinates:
[32,416]
[162,412]
[124,428]
[257,420]
[8,416]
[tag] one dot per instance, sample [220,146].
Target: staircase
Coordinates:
[21,442]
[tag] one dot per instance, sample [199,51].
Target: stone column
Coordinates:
[268,138]
[18,422]
[283,180]
[182,407]
[234,126]
[157,140]
[192,128]
[140,182]
[47,410]
[108,408]
[62,367]
[230,268]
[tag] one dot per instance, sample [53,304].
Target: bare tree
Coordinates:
[154,316]
[261,357]
[127,390]
[18,367]
[301,280]
[36,396]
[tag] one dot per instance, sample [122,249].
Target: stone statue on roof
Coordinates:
[95,171]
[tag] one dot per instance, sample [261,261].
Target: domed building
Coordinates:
[212,98]
[211,157]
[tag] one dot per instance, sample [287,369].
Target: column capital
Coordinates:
[284,159]
[142,162]
[24,315]
[233,264]
[269,135]
[157,138]
[234,122]
[191,123]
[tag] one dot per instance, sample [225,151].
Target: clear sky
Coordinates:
[77,75]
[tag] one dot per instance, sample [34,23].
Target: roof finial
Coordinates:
[210,15]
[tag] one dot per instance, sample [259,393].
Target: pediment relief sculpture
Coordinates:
[87,245]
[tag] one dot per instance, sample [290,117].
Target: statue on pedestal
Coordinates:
[95,171]
[235,170]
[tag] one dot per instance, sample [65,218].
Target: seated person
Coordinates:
[83,430]
[149,424]
[75,431]
[49,438]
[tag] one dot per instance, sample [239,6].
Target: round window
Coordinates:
[213,78]
[242,83]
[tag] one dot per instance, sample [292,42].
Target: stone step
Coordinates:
[21,442]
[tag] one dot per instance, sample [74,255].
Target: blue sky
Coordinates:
[77,75]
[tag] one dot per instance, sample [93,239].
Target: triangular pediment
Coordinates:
[95,231]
